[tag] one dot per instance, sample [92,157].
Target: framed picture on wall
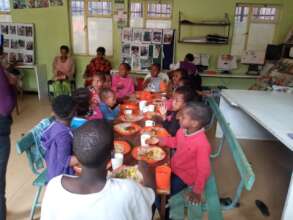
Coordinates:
[157,36]
[147,36]
[137,35]
[144,51]
[126,35]
[167,36]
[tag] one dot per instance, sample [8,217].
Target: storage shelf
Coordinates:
[224,23]
[204,24]
[206,43]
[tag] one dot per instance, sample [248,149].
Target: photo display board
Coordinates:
[18,42]
[142,47]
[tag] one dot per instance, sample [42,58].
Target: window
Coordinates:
[254,27]
[92,26]
[150,14]
[4,11]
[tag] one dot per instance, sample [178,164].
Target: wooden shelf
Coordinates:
[224,23]
[206,43]
[203,24]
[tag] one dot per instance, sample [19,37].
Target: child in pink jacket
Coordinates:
[122,84]
[191,163]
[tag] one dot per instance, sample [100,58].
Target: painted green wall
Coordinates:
[53,29]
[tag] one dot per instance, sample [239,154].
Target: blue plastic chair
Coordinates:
[30,144]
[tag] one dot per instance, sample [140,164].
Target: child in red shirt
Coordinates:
[191,162]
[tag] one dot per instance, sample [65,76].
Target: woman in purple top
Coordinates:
[7,104]
[57,139]
[192,72]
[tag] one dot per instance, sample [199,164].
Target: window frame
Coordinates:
[251,19]
[86,15]
[145,15]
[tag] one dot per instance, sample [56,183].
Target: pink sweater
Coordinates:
[191,162]
[127,83]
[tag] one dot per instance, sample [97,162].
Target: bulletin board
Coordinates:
[18,42]
[142,47]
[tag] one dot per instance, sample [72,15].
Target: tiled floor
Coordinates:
[270,161]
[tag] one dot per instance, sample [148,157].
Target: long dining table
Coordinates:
[134,141]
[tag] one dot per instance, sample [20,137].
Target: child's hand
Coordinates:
[153,140]
[194,198]
[74,161]
[163,109]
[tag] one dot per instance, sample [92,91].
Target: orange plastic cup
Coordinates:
[163,87]
[163,177]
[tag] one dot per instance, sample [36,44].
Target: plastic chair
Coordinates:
[29,144]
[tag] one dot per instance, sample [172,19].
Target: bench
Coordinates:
[177,203]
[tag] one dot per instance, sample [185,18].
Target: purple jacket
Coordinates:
[7,95]
[188,67]
[57,140]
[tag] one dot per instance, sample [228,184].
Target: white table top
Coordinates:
[219,75]
[272,110]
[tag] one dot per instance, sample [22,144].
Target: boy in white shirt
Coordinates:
[92,196]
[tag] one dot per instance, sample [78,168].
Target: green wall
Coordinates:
[53,29]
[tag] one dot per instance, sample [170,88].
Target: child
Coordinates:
[57,138]
[98,81]
[108,81]
[83,111]
[122,84]
[153,83]
[191,162]
[108,105]
[181,96]
[92,195]
[178,79]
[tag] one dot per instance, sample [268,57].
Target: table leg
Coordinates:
[163,207]
[288,211]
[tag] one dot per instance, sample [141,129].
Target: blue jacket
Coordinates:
[108,113]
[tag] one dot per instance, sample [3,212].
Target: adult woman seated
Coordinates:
[97,64]
[63,70]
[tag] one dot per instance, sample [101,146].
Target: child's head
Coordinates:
[195,115]
[155,70]
[82,99]
[124,69]
[108,80]
[64,51]
[101,52]
[181,96]
[108,96]
[189,57]
[98,81]
[178,75]
[64,107]
[93,143]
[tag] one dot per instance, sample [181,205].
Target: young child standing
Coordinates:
[122,83]
[92,195]
[191,163]
[57,138]
[108,106]
[181,96]
[153,83]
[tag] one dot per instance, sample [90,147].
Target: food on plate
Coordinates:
[156,131]
[127,128]
[121,147]
[131,118]
[150,154]
[128,172]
